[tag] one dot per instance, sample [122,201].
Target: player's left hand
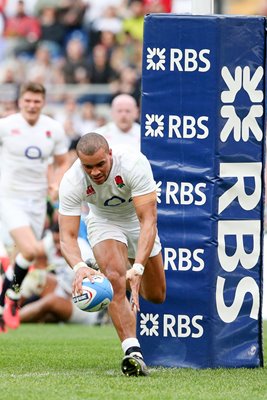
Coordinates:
[134,281]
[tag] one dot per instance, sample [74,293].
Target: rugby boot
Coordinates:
[133,365]
[11,310]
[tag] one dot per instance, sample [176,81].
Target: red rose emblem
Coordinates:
[119,181]
[90,190]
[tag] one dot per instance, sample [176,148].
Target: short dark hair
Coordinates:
[33,87]
[90,143]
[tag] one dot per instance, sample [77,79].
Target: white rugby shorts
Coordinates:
[19,212]
[124,231]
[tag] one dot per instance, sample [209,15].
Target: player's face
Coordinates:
[98,165]
[124,115]
[31,105]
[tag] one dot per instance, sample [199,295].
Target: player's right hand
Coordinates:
[80,274]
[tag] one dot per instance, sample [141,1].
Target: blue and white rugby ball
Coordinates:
[96,294]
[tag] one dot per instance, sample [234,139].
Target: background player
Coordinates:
[29,140]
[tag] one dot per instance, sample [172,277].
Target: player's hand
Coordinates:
[134,281]
[80,274]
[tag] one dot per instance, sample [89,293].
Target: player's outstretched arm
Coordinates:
[69,229]
[146,210]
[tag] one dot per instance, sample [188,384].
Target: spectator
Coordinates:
[129,82]
[134,23]
[12,71]
[108,20]
[76,65]
[22,31]
[157,6]
[52,31]
[123,129]
[41,68]
[100,68]
[127,53]
[96,9]
[71,13]
[10,7]
[108,40]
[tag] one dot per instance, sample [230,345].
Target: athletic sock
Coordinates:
[19,275]
[134,351]
[20,271]
[131,346]
[6,285]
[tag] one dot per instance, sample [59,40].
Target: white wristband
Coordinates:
[79,265]
[138,268]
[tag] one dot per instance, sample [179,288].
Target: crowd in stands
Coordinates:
[71,46]
[74,42]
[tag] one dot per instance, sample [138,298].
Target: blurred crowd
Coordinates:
[74,42]
[78,43]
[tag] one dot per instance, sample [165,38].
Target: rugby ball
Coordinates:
[97,294]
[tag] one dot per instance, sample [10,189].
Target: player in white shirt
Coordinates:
[122,227]
[123,130]
[54,290]
[29,141]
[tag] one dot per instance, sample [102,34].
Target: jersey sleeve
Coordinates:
[141,177]
[70,200]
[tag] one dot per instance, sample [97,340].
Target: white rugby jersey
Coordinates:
[115,136]
[130,176]
[26,150]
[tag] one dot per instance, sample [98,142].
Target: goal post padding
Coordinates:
[202,122]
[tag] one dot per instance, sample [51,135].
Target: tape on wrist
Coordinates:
[138,268]
[79,265]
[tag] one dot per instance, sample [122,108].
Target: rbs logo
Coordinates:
[187,60]
[183,259]
[184,193]
[181,326]
[240,255]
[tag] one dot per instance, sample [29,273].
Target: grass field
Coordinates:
[71,362]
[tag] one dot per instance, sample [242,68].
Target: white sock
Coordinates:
[22,262]
[131,342]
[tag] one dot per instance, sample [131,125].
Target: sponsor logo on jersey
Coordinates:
[15,131]
[90,190]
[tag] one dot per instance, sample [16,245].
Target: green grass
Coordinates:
[72,362]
